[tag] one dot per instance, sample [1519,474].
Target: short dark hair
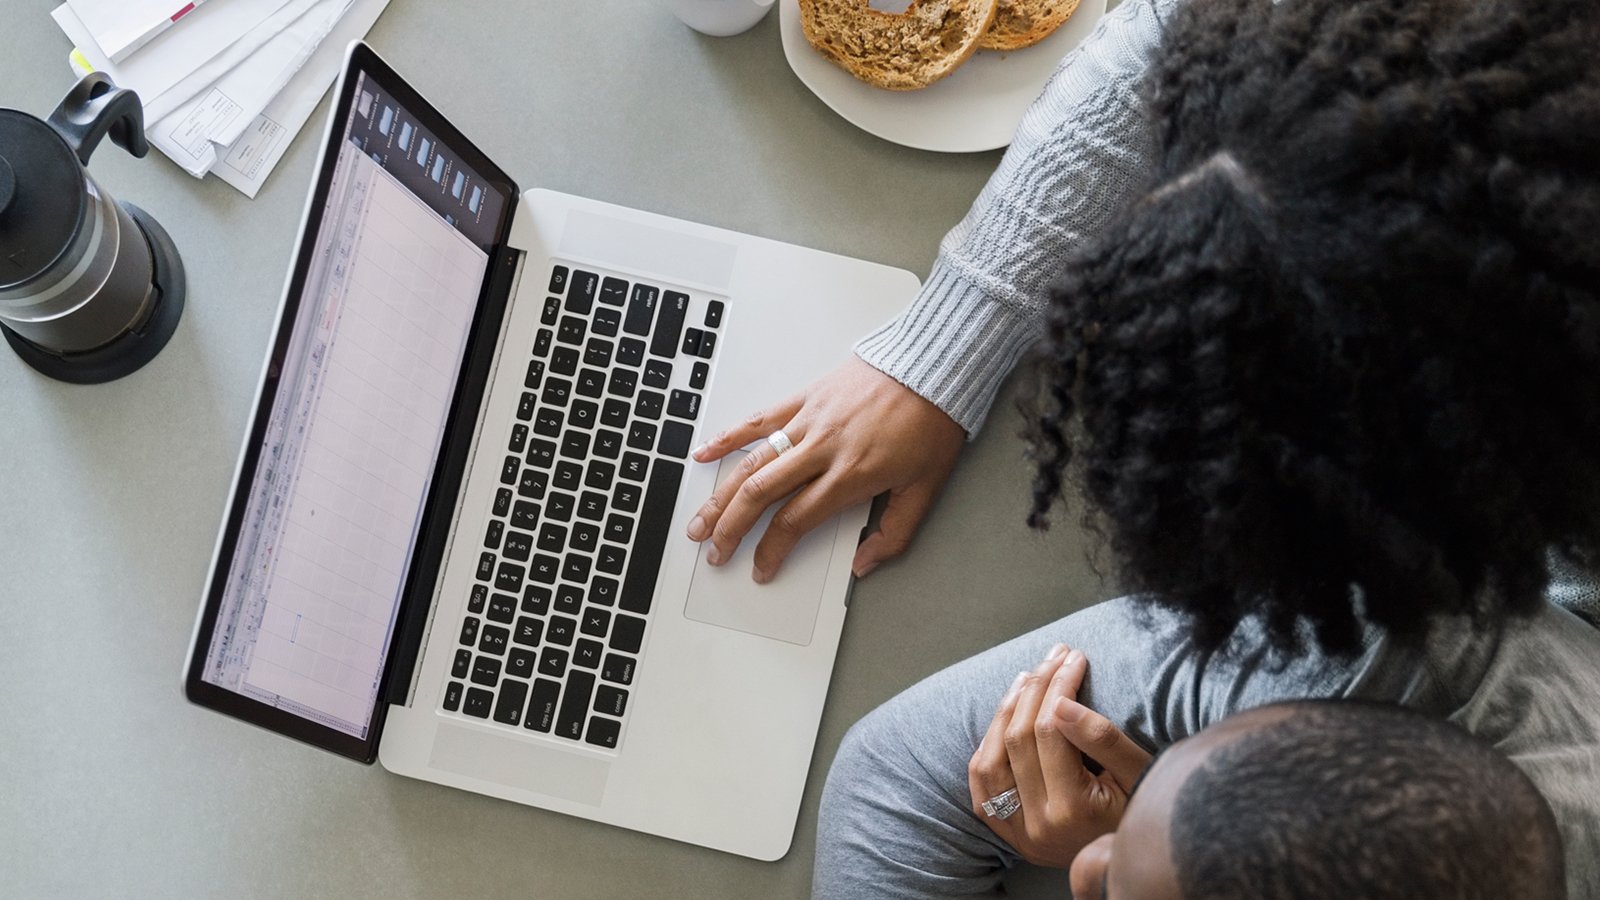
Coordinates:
[1342,363]
[1349,799]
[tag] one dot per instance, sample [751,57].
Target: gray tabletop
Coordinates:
[111,495]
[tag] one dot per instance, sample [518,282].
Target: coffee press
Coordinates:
[90,289]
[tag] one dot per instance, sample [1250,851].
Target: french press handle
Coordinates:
[95,106]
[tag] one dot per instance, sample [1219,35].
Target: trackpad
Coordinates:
[520,764]
[784,609]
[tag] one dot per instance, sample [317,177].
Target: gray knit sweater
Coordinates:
[1081,148]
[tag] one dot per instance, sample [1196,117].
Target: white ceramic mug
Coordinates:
[719,18]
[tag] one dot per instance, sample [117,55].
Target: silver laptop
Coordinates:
[456,537]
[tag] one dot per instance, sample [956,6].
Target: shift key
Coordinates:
[574,705]
[674,309]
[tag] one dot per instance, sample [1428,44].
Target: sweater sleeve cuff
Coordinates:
[954,346]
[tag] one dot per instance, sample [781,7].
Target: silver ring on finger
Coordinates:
[780,442]
[1003,805]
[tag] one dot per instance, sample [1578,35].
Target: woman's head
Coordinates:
[1350,338]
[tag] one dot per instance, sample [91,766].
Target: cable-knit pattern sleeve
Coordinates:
[1081,149]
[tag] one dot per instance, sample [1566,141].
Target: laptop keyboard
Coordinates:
[554,625]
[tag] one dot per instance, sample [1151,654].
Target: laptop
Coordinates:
[455,541]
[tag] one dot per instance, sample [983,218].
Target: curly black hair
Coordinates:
[1341,363]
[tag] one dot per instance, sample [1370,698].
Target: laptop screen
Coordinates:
[353,415]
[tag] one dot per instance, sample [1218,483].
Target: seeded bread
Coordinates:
[900,52]
[1023,23]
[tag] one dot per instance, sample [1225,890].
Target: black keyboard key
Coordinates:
[552,311]
[657,373]
[619,528]
[627,634]
[597,352]
[553,538]
[568,475]
[613,291]
[502,501]
[519,438]
[618,669]
[596,621]
[536,600]
[582,414]
[574,445]
[491,537]
[614,413]
[610,559]
[585,537]
[627,496]
[529,631]
[519,546]
[714,314]
[642,436]
[533,484]
[541,342]
[513,694]
[591,383]
[552,661]
[558,279]
[641,309]
[603,732]
[508,578]
[698,376]
[542,706]
[564,360]
[613,701]
[535,373]
[502,608]
[485,566]
[655,522]
[548,422]
[630,352]
[684,405]
[569,599]
[592,506]
[634,466]
[452,696]
[691,341]
[479,702]
[561,630]
[580,296]
[599,475]
[708,344]
[587,653]
[526,406]
[623,382]
[543,568]
[478,600]
[469,631]
[519,662]
[674,309]
[559,506]
[525,515]
[493,639]
[463,663]
[649,404]
[607,322]
[485,671]
[607,443]
[675,438]
[543,453]
[574,705]
[603,591]
[557,391]
[572,331]
[576,568]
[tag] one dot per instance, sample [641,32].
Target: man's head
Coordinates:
[1329,799]
[1347,345]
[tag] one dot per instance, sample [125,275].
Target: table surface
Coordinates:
[111,495]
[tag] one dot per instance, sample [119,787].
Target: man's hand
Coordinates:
[1036,744]
[856,433]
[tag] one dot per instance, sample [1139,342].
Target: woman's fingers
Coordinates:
[989,772]
[816,503]
[1021,746]
[1065,775]
[1102,740]
[757,425]
[756,464]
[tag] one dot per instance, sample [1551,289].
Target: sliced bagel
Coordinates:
[1023,23]
[900,52]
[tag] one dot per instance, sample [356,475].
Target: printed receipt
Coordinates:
[254,147]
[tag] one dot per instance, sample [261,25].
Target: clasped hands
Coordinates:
[1036,743]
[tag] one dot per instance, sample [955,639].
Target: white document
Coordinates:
[174,55]
[120,27]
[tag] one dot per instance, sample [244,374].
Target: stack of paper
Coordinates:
[225,83]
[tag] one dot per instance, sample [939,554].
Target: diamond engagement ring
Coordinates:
[780,442]
[1002,805]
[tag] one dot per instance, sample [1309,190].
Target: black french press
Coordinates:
[90,289]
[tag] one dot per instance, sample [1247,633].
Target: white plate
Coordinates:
[976,107]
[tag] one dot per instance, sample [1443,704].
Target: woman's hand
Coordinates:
[856,433]
[1036,744]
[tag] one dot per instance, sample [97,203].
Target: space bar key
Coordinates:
[655,522]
